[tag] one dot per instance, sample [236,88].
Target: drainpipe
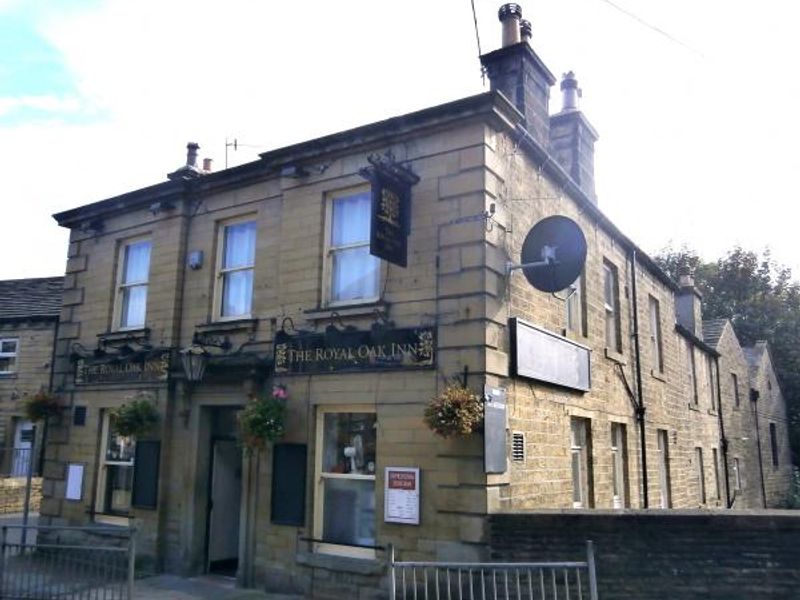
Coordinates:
[754,400]
[640,409]
[723,441]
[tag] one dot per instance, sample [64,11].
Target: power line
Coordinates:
[658,30]
[477,38]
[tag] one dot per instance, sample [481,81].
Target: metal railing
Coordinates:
[43,563]
[493,580]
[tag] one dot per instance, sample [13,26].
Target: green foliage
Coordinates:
[134,418]
[762,301]
[42,405]
[455,411]
[262,421]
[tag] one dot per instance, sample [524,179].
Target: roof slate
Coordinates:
[29,298]
[712,331]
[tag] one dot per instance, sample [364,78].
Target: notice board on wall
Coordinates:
[145,474]
[288,484]
[401,495]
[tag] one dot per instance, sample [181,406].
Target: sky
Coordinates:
[694,101]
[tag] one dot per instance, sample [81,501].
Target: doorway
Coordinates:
[23,441]
[224,505]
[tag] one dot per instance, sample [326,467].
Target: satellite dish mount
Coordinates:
[553,254]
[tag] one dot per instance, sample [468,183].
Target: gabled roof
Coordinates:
[712,331]
[30,298]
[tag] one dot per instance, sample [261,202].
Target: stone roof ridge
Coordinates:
[32,297]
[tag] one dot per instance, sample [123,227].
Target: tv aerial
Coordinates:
[553,254]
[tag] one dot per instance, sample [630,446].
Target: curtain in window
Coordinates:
[237,260]
[135,271]
[354,271]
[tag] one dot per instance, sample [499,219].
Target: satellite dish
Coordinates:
[553,253]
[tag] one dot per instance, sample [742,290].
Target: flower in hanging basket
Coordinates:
[455,411]
[134,418]
[263,420]
[42,405]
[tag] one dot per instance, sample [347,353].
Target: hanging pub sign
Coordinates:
[134,368]
[391,207]
[379,349]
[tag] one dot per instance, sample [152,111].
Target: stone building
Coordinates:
[29,310]
[211,287]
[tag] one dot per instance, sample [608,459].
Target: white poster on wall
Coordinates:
[401,495]
[74,481]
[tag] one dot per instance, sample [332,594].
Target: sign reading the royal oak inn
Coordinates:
[353,350]
[128,370]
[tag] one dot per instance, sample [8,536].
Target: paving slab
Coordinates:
[172,587]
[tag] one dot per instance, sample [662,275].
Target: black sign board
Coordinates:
[391,207]
[145,474]
[289,484]
[145,367]
[378,349]
[388,236]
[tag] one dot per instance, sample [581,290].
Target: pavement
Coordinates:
[207,587]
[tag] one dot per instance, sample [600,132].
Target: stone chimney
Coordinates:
[572,137]
[520,75]
[688,303]
[189,170]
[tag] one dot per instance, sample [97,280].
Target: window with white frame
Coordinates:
[235,266]
[663,468]
[353,274]
[711,367]
[691,369]
[115,477]
[656,349]
[611,304]
[8,355]
[735,384]
[580,452]
[134,271]
[700,475]
[576,314]
[619,456]
[737,475]
[344,510]
[717,486]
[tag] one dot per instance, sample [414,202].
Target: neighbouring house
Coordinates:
[29,312]
[353,278]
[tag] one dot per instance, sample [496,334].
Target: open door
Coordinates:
[23,440]
[224,505]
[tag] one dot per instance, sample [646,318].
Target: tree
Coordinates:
[762,301]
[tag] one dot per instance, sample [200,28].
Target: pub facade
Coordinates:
[355,277]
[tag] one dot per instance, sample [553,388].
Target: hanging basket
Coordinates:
[42,405]
[263,419]
[455,411]
[134,418]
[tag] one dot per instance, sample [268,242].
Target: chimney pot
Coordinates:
[207,164]
[510,15]
[525,30]
[570,92]
[191,154]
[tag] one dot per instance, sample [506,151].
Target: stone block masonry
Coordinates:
[644,555]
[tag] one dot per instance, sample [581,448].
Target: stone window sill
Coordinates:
[233,325]
[8,375]
[123,335]
[658,375]
[617,357]
[347,310]
[332,562]
[712,412]
[694,407]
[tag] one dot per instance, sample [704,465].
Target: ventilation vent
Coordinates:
[518,447]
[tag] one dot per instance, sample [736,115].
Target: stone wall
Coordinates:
[677,554]
[12,494]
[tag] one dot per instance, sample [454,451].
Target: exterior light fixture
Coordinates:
[194,360]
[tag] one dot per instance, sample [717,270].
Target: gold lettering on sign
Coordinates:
[389,207]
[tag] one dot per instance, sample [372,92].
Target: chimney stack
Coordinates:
[688,303]
[189,170]
[572,138]
[207,164]
[510,15]
[520,75]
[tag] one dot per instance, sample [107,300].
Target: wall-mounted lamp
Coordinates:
[195,260]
